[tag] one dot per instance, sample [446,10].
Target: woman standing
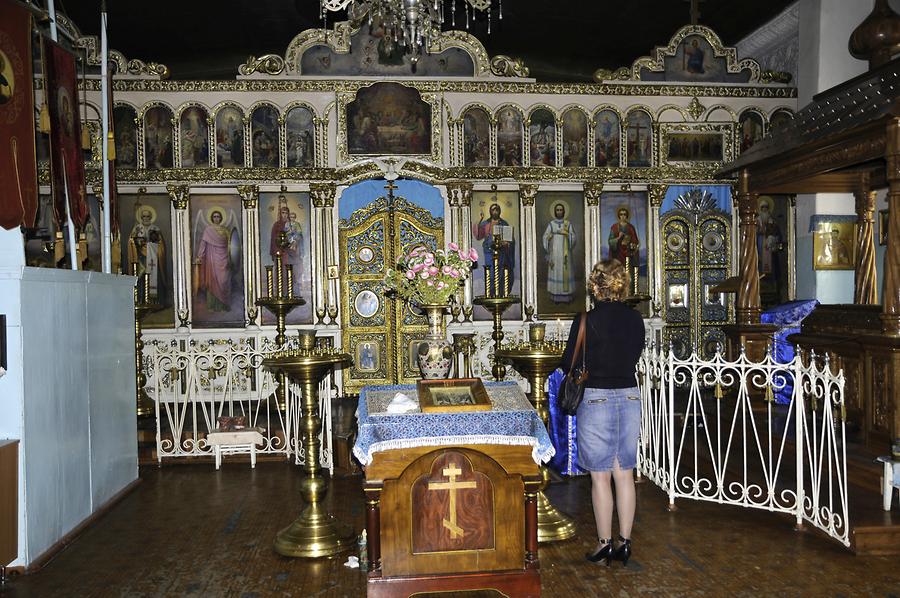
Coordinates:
[609,416]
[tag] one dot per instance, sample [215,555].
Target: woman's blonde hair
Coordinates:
[609,280]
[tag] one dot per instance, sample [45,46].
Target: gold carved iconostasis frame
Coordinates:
[605,108]
[379,329]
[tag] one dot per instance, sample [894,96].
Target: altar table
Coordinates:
[451,497]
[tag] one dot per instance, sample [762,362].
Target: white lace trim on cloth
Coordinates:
[386,445]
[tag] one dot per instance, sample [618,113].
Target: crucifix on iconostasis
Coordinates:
[695,10]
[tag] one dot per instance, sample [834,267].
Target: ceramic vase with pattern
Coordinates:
[435,354]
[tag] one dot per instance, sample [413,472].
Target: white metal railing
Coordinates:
[194,382]
[711,430]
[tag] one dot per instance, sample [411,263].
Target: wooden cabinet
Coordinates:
[453,519]
[9,494]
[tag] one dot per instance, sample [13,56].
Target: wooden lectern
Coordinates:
[445,516]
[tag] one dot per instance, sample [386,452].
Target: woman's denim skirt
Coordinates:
[609,424]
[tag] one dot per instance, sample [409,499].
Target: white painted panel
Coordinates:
[110,321]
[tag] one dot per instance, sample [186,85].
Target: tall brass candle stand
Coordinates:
[496,299]
[315,533]
[280,301]
[144,305]
[536,359]
[635,297]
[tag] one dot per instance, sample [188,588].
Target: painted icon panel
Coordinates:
[287,214]
[509,137]
[559,222]
[229,137]
[301,135]
[159,135]
[496,212]
[607,138]
[217,273]
[542,138]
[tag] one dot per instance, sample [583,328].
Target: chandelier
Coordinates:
[411,24]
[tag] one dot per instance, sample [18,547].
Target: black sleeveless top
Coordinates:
[614,339]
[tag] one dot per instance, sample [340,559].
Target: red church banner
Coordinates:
[66,161]
[18,170]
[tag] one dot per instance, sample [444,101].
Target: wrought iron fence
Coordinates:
[711,430]
[194,382]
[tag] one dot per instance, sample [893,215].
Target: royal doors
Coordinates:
[696,238]
[382,333]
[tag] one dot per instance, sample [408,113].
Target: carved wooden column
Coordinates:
[527,193]
[592,192]
[250,215]
[459,196]
[864,288]
[747,333]
[748,304]
[890,317]
[327,291]
[181,252]
[656,193]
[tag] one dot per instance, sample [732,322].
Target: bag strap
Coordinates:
[579,344]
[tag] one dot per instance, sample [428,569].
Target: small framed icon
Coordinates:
[366,303]
[365,254]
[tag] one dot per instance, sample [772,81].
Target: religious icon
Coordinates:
[229,137]
[388,119]
[366,303]
[365,254]
[542,138]
[124,118]
[284,225]
[217,297]
[194,138]
[575,136]
[476,138]
[678,295]
[7,79]
[694,147]
[694,57]
[509,137]
[771,221]
[833,246]
[300,137]
[750,128]
[264,136]
[711,297]
[146,229]
[606,139]
[493,213]
[780,119]
[158,137]
[560,221]
[367,357]
[640,144]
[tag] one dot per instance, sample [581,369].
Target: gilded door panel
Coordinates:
[381,332]
[696,258]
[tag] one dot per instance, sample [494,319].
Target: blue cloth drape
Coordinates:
[787,317]
[562,431]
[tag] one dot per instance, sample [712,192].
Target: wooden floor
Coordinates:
[193,531]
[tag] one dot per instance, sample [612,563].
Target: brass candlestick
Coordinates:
[144,305]
[536,360]
[315,533]
[635,296]
[280,302]
[496,299]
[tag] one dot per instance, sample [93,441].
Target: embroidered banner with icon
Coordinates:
[18,172]
[66,160]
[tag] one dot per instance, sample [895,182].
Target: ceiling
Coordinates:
[560,41]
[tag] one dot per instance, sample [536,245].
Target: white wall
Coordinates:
[825,61]
[69,393]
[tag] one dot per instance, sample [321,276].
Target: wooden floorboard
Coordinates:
[192,531]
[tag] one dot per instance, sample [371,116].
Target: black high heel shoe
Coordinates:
[623,552]
[605,553]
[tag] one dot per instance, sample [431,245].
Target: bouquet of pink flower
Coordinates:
[431,278]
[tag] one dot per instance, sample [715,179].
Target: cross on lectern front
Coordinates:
[452,486]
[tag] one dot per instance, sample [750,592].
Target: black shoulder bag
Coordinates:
[571,391]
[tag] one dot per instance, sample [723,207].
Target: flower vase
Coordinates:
[435,354]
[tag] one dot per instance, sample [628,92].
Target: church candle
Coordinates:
[269,281]
[278,275]
[290,280]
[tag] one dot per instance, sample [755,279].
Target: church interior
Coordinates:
[285,289]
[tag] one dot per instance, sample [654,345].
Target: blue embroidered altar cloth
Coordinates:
[511,421]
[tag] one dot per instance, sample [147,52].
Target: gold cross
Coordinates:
[695,10]
[451,472]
